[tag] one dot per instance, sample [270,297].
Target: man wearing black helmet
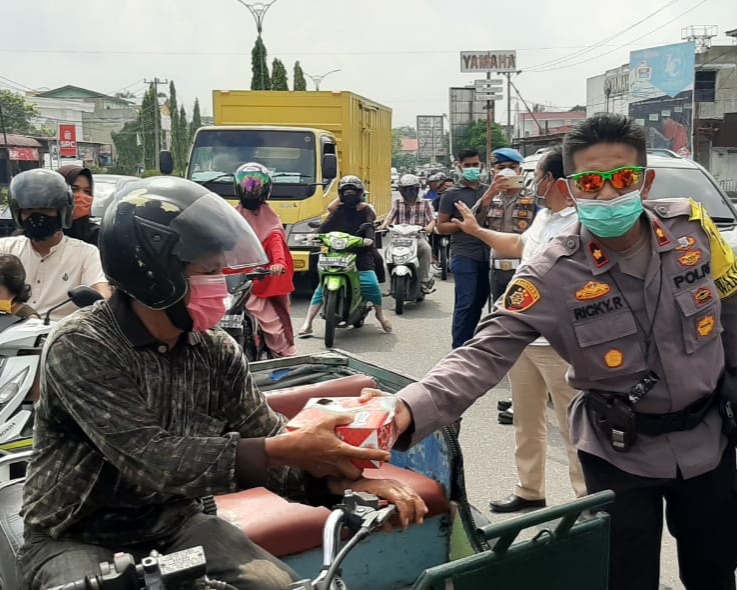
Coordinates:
[42,206]
[145,408]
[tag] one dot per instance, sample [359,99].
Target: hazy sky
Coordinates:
[403,53]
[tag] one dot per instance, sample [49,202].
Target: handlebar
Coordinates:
[154,572]
[258,274]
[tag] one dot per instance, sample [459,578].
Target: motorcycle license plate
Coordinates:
[332,261]
[232,321]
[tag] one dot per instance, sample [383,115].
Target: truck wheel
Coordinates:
[331,317]
[400,293]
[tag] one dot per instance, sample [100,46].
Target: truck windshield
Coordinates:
[289,155]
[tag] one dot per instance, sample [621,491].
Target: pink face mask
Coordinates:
[207,295]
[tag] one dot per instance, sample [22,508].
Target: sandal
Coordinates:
[386,325]
[304,333]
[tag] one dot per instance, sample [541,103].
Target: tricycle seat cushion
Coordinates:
[292,400]
[288,528]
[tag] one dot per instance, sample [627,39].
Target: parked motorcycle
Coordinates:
[402,260]
[343,302]
[239,322]
[21,342]
[441,247]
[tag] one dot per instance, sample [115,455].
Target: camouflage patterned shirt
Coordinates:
[129,433]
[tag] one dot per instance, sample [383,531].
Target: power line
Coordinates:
[625,44]
[602,42]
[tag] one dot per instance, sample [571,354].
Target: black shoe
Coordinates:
[514,503]
[506,417]
[503,404]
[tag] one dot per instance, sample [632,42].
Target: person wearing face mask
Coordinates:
[80,181]
[412,210]
[352,218]
[270,298]
[42,206]
[14,291]
[640,298]
[539,370]
[146,407]
[469,255]
[506,208]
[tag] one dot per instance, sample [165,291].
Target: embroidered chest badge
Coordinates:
[691,258]
[614,358]
[706,325]
[593,290]
[685,243]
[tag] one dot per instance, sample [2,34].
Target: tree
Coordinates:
[402,161]
[279,76]
[260,79]
[129,153]
[196,119]
[185,139]
[150,118]
[174,115]
[300,83]
[17,113]
[474,136]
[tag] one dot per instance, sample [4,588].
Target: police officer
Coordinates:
[507,209]
[640,300]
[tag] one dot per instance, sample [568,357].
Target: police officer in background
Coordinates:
[640,299]
[505,208]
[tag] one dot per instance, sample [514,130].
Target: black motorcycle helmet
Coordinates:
[351,191]
[252,184]
[158,226]
[41,189]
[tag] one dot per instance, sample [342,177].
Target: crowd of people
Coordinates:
[594,310]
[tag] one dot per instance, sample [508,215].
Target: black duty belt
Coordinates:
[653,424]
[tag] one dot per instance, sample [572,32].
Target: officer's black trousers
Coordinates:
[701,514]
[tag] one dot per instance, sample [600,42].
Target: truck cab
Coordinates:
[302,162]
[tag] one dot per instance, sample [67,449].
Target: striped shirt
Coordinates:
[129,434]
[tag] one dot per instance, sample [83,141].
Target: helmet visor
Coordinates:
[215,237]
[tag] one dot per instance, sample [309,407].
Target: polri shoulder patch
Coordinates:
[521,295]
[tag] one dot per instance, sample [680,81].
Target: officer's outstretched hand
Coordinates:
[318,449]
[468,223]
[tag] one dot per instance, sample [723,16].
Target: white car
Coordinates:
[105,186]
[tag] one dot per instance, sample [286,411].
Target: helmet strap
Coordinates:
[179,316]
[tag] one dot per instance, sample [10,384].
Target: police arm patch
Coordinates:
[521,295]
[723,260]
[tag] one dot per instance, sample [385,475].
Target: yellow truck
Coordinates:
[308,140]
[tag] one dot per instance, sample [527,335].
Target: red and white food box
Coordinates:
[374,423]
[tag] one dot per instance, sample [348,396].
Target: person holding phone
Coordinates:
[505,208]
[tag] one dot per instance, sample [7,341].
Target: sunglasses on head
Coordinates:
[620,178]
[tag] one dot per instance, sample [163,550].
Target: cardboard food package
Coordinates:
[374,422]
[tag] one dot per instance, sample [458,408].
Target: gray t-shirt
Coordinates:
[462,244]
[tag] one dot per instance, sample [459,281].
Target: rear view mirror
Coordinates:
[166,162]
[314,224]
[329,167]
[84,296]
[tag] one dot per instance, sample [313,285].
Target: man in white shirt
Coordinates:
[42,205]
[539,369]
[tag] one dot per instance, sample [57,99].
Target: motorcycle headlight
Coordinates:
[10,388]
[338,243]
[401,259]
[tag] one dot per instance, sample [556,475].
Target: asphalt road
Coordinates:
[421,337]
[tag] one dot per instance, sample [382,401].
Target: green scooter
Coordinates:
[343,304]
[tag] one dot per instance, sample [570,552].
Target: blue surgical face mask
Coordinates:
[610,219]
[472,174]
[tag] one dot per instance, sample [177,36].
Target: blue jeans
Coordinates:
[471,292]
[369,289]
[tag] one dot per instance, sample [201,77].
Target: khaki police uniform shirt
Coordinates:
[599,320]
[510,214]
[72,263]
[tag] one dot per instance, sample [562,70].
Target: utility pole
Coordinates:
[8,169]
[489,127]
[317,79]
[509,102]
[157,115]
